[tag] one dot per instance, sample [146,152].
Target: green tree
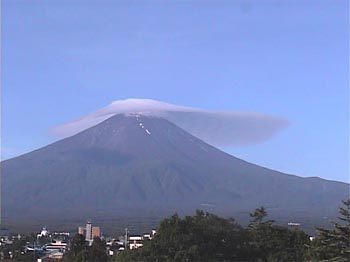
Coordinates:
[27,257]
[78,251]
[207,237]
[258,219]
[202,237]
[334,244]
[97,252]
[260,233]
[18,246]
[272,243]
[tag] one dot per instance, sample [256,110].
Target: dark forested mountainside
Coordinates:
[135,166]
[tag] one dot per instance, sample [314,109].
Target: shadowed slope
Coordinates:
[135,163]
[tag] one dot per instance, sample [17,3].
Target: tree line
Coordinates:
[208,237]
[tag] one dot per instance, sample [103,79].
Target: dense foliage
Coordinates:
[275,243]
[16,250]
[80,251]
[207,237]
[334,244]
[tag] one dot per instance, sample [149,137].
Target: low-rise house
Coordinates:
[135,242]
[57,245]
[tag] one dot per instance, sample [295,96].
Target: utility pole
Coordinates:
[34,250]
[126,238]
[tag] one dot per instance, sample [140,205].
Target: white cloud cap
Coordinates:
[219,128]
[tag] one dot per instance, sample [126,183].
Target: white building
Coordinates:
[88,232]
[44,232]
[135,242]
[56,245]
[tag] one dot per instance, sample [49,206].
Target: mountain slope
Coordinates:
[134,163]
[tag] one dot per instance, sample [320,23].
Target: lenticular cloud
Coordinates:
[219,128]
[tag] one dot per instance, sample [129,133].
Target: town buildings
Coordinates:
[90,232]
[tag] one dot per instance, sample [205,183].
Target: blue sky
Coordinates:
[64,59]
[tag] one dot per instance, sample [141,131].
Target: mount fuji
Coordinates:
[139,164]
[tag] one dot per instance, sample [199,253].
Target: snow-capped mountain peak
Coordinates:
[217,127]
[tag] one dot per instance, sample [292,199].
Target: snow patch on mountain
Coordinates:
[216,127]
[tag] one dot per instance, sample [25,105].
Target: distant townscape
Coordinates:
[52,246]
[174,131]
[137,159]
[201,237]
